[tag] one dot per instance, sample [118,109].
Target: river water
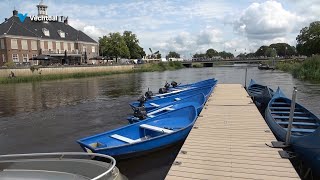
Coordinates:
[51,116]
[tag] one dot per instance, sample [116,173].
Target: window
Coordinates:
[14,44]
[49,45]
[15,57]
[34,55]
[61,34]
[72,46]
[24,44]
[34,45]
[25,58]
[65,46]
[42,45]
[3,58]
[93,49]
[58,47]
[2,44]
[46,32]
[84,48]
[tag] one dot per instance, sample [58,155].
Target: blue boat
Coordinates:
[175,87]
[198,100]
[305,137]
[260,94]
[144,136]
[166,100]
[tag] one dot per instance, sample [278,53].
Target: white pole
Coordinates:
[293,106]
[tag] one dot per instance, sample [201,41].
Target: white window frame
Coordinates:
[46,32]
[15,59]
[24,44]
[58,47]
[84,48]
[34,45]
[14,44]
[93,49]
[62,34]
[25,58]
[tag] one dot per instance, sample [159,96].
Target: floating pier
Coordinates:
[228,141]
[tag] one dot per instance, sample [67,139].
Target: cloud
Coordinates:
[267,20]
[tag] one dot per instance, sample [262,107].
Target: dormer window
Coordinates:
[46,32]
[61,34]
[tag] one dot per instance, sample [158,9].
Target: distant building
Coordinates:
[22,40]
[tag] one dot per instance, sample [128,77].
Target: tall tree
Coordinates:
[136,52]
[211,52]
[173,54]
[261,51]
[114,45]
[271,52]
[225,54]
[308,41]
[283,49]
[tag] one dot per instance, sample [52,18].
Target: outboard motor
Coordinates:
[142,100]
[148,94]
[174,84]
[140,112]
[163,90]
[167,86]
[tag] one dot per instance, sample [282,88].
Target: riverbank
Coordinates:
[46,74]
[309,69]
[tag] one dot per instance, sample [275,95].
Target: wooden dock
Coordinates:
[229,140]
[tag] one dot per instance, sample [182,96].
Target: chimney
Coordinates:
[66,21]
[15,12]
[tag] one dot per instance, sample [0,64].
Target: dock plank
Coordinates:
[235,141]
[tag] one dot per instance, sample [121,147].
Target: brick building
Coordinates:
[22,40]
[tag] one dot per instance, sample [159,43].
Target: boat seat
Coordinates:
[177,99]
[301,130]
[286,112]
[284,108]
[155,128]
[154,104]
[125,139]
[168,108]
[294,117]
[299,123]
[280,103]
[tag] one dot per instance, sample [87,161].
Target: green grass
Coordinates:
[309,69]
[142,68]
[197,65]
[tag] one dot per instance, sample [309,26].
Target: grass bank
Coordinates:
[141,68]
[309,69]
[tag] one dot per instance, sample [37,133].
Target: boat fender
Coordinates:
[163,90]
[140,112]
[174,84]
[142,100]
[149,94]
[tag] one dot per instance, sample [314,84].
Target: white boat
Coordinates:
[59,166]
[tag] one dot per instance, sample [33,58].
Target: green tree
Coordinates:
[211,52]
[283,49]
[200,55]
[271,52]
[136,52]
[261,51]
[173,54]
[225,54]
[114,45]
[308,41]
[158,56]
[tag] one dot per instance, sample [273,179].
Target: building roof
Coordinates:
[13,26]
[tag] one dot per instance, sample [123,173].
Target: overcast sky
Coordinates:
[185,26]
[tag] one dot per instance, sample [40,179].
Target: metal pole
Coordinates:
[293,106]
[245,79]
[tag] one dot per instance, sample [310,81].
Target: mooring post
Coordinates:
[293,106]
[245,79]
